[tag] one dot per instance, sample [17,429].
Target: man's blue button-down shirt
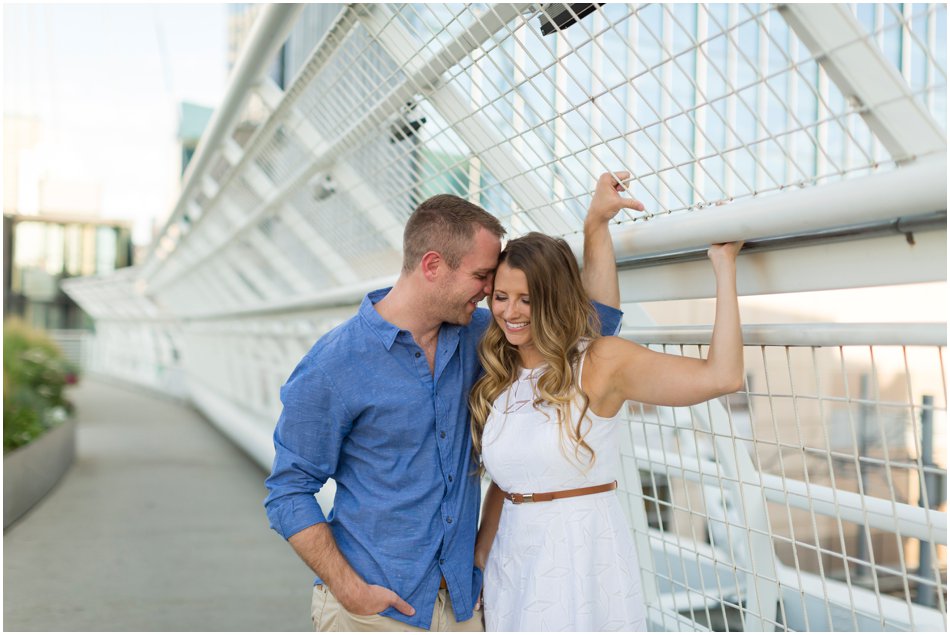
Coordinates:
[363,408]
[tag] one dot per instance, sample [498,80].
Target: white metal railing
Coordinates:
[719,491]
[844,474]
[814,132]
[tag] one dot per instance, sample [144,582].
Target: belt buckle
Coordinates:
[517,499]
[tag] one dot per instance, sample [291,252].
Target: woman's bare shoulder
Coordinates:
[610,348]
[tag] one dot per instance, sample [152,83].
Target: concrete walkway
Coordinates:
[159,526]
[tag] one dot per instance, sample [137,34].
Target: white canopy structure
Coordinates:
[812,500]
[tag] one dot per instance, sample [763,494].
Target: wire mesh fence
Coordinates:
[704,104]
[812,500]
[841,451]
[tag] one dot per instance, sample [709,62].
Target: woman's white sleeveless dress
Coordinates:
[568,564]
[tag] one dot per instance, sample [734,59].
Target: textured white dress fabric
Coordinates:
[568,564]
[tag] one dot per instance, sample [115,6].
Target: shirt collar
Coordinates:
[386,331]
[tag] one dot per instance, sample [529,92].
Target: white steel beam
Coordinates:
[224,274]
[865,77]
[346,296]
[809,335]
[326,154]
[750,542]
[262,186]
[483,139]
[909,521]
[886,260]
[853,264]
[280,263]
[320,248]
[329,258]
[347,177]
[736,467]
[240,158]
[209,187]
[918,188]
[268,35]
[910,190]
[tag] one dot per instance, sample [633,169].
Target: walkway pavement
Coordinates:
[159,526]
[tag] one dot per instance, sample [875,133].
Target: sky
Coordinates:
[105,81]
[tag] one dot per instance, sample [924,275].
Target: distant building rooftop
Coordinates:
[194,120]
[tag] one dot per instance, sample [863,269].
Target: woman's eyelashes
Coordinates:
[503,298]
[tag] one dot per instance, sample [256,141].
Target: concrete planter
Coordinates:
[30,472]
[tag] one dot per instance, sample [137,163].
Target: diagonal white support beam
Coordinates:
[269,33]
[241,158]
[262,186]
[328,256]
[862,73]
[348,178]
[245,266]
[209,186]
[224,275]
[280,262]
[494,151]
[326,154]
[320,248]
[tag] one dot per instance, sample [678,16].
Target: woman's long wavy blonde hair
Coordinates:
[562,318]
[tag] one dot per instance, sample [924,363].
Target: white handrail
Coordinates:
[917,188]
[805,334]
[908,520]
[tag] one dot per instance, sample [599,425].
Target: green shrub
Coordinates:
[34,375]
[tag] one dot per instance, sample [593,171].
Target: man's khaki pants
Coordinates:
[329,615]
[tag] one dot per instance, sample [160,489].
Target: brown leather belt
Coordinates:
[544,497]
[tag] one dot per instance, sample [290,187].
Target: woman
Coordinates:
[544,423]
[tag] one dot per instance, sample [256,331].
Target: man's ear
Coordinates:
[431,264]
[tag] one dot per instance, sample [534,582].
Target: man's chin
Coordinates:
[463,319]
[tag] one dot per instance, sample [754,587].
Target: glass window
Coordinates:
[73,250]
[54,248]
[105,249]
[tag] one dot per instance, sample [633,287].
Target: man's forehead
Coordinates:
[483,256]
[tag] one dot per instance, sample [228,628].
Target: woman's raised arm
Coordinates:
[618,370]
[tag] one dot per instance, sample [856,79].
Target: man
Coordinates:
[380,404]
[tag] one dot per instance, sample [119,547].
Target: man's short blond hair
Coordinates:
[447,224]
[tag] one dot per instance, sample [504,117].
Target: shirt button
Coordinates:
[441,560]
[442,434]
[418,354]
[449,520]
[450,478]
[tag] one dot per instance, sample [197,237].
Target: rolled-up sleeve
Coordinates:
[307,442]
